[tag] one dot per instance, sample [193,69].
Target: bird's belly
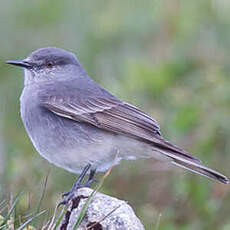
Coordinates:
[99,153]
[69,144]
[74,159]
[72,149]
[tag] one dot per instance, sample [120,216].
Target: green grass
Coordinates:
[11,220]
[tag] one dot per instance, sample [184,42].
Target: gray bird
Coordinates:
[77,125]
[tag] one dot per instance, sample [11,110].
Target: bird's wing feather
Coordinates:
[116,116]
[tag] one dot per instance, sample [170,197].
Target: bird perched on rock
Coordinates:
[79,126]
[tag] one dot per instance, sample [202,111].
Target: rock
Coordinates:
[104,213]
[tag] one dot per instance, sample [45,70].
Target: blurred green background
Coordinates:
[171,58]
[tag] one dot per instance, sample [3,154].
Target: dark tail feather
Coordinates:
[201,169]
[185,160]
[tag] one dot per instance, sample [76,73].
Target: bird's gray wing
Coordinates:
[113,115]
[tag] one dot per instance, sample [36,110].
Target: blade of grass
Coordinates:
[16,221]
[12,208]
[62,213]
[86,205]
[3,208]
[2,203]
[42,194]
[3,226]
[53,218]
[158,222]
[15,215]
[30,220]
[46,222]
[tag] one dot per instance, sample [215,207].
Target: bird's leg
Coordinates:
[90,179]
[77,184]
[79,180]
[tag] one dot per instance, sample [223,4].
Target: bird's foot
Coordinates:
[67,196]
[85,185]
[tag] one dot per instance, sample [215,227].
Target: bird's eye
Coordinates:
[49,64]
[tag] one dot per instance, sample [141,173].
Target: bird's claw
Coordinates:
[67,196]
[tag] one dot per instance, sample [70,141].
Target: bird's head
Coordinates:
[49,63]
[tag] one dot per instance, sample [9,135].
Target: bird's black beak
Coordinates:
[21,63]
